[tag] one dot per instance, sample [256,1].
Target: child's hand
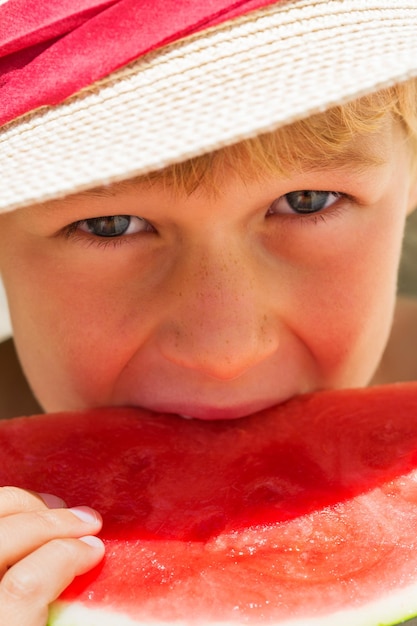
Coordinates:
[41,552]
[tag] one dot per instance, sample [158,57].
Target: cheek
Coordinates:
[73,333]
[350,288]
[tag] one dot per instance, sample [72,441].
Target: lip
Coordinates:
[210,413]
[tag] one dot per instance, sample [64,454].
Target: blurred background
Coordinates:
[4,316]
[407,283]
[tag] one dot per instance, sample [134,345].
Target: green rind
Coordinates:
[393,610]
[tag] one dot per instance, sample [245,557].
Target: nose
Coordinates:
[220,322]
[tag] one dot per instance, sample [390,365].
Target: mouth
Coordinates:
[211,413]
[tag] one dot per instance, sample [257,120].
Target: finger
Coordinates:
[23,533]
[31,585]
[13,500]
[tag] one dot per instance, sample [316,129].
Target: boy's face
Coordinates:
[210,305]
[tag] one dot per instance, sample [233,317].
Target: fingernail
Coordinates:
[85,514]
[52,502]
[92,541]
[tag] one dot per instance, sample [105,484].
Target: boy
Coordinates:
[212,230]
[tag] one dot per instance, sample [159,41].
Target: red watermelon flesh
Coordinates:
[305,514]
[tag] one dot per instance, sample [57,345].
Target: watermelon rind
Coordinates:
[391,610]
[78,614]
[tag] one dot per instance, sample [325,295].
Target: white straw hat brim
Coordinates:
[248,76]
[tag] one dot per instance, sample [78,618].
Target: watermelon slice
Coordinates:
[302,515]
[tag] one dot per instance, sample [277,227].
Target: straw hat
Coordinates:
[88,96]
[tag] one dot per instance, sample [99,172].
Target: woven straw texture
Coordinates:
[248,76]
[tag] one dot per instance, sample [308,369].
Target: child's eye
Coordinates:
[303,202]
[111,226]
